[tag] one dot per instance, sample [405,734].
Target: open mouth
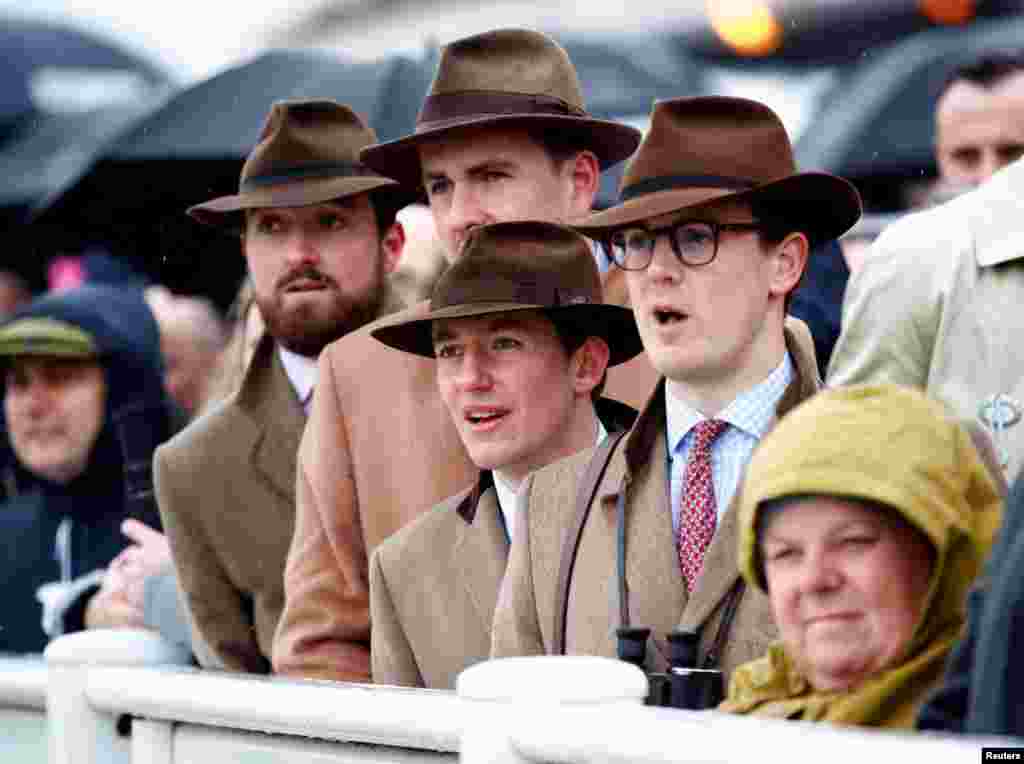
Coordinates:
[484,416]
[666,316]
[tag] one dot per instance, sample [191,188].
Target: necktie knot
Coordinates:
[706,432]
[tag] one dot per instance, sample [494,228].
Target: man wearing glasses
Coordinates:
[713,232]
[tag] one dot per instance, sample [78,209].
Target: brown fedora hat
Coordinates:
[307,153]
[714,149]
[523,265]
[511,77]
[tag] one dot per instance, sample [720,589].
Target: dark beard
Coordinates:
[302,333]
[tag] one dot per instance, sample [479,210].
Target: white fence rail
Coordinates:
[182,715]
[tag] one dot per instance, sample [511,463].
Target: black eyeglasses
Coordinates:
[694,242]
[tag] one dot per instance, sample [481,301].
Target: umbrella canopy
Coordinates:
[877,128]
[622,77]
[33,49]
[133,195]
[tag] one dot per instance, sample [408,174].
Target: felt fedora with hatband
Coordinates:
[519,266]
[507,77]
[307,153]
[712,149]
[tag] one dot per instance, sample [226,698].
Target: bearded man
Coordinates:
[319,236]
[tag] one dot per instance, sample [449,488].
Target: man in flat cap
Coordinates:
[503,135]
[522,342]
[319,236]
[713,232]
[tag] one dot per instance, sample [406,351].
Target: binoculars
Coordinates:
[683,685]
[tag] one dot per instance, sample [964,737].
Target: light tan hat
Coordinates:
[716,149]
[307,153]
[523,265]
[512,77]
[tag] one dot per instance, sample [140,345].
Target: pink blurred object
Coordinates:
[65,272]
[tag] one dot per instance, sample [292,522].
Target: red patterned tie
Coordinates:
[697,515]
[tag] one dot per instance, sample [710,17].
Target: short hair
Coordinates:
[384,209]
[572,336]
[775,223]
[985,71]
[560,145]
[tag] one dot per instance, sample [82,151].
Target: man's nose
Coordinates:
[301,248]
[467,210]
[991,163]
[474,371]
[664,266]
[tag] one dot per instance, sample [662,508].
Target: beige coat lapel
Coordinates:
[277,417]
[657,594]
[480,553]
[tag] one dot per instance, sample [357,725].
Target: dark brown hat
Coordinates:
[523,265]
[715,149]
[512,77]
[307,153]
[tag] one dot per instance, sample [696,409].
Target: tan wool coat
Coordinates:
[525,616]
[434,584]
[226,491]
[937,306]
[379,450]
[433,588]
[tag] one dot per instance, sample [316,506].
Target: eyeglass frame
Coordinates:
[716,228]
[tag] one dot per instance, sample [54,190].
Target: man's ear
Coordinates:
[790,262]
[584,173]
[589,363]
[391,246]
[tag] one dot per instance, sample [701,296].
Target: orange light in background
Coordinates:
[747,26]
[948,11]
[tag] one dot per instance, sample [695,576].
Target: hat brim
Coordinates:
[823,206]
[44,337]
[226,211]
[612,323]
[610,141]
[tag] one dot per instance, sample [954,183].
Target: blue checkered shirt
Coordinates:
[749,416]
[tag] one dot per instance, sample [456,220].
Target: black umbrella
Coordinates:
[30,47]
[133,196]
[878,126]
[622,76]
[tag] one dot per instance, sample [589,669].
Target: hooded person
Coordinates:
[865,516]
[84,408]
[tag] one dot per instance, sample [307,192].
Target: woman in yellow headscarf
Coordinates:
[864,516]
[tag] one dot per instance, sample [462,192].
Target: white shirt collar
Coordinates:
[508,493]
[301,372]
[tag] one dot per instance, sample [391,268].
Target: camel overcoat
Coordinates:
[434,584]
[525,616]
[379,450]
[226,491]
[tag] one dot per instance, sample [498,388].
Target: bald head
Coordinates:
[192,336]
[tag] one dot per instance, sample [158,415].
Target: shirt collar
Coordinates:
[300,370]
[752,411]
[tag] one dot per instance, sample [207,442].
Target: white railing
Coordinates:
[538,710]
[23,710]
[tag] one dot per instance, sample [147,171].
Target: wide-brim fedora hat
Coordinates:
[307,153]
[522,266]
[507,77]
[703,151]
